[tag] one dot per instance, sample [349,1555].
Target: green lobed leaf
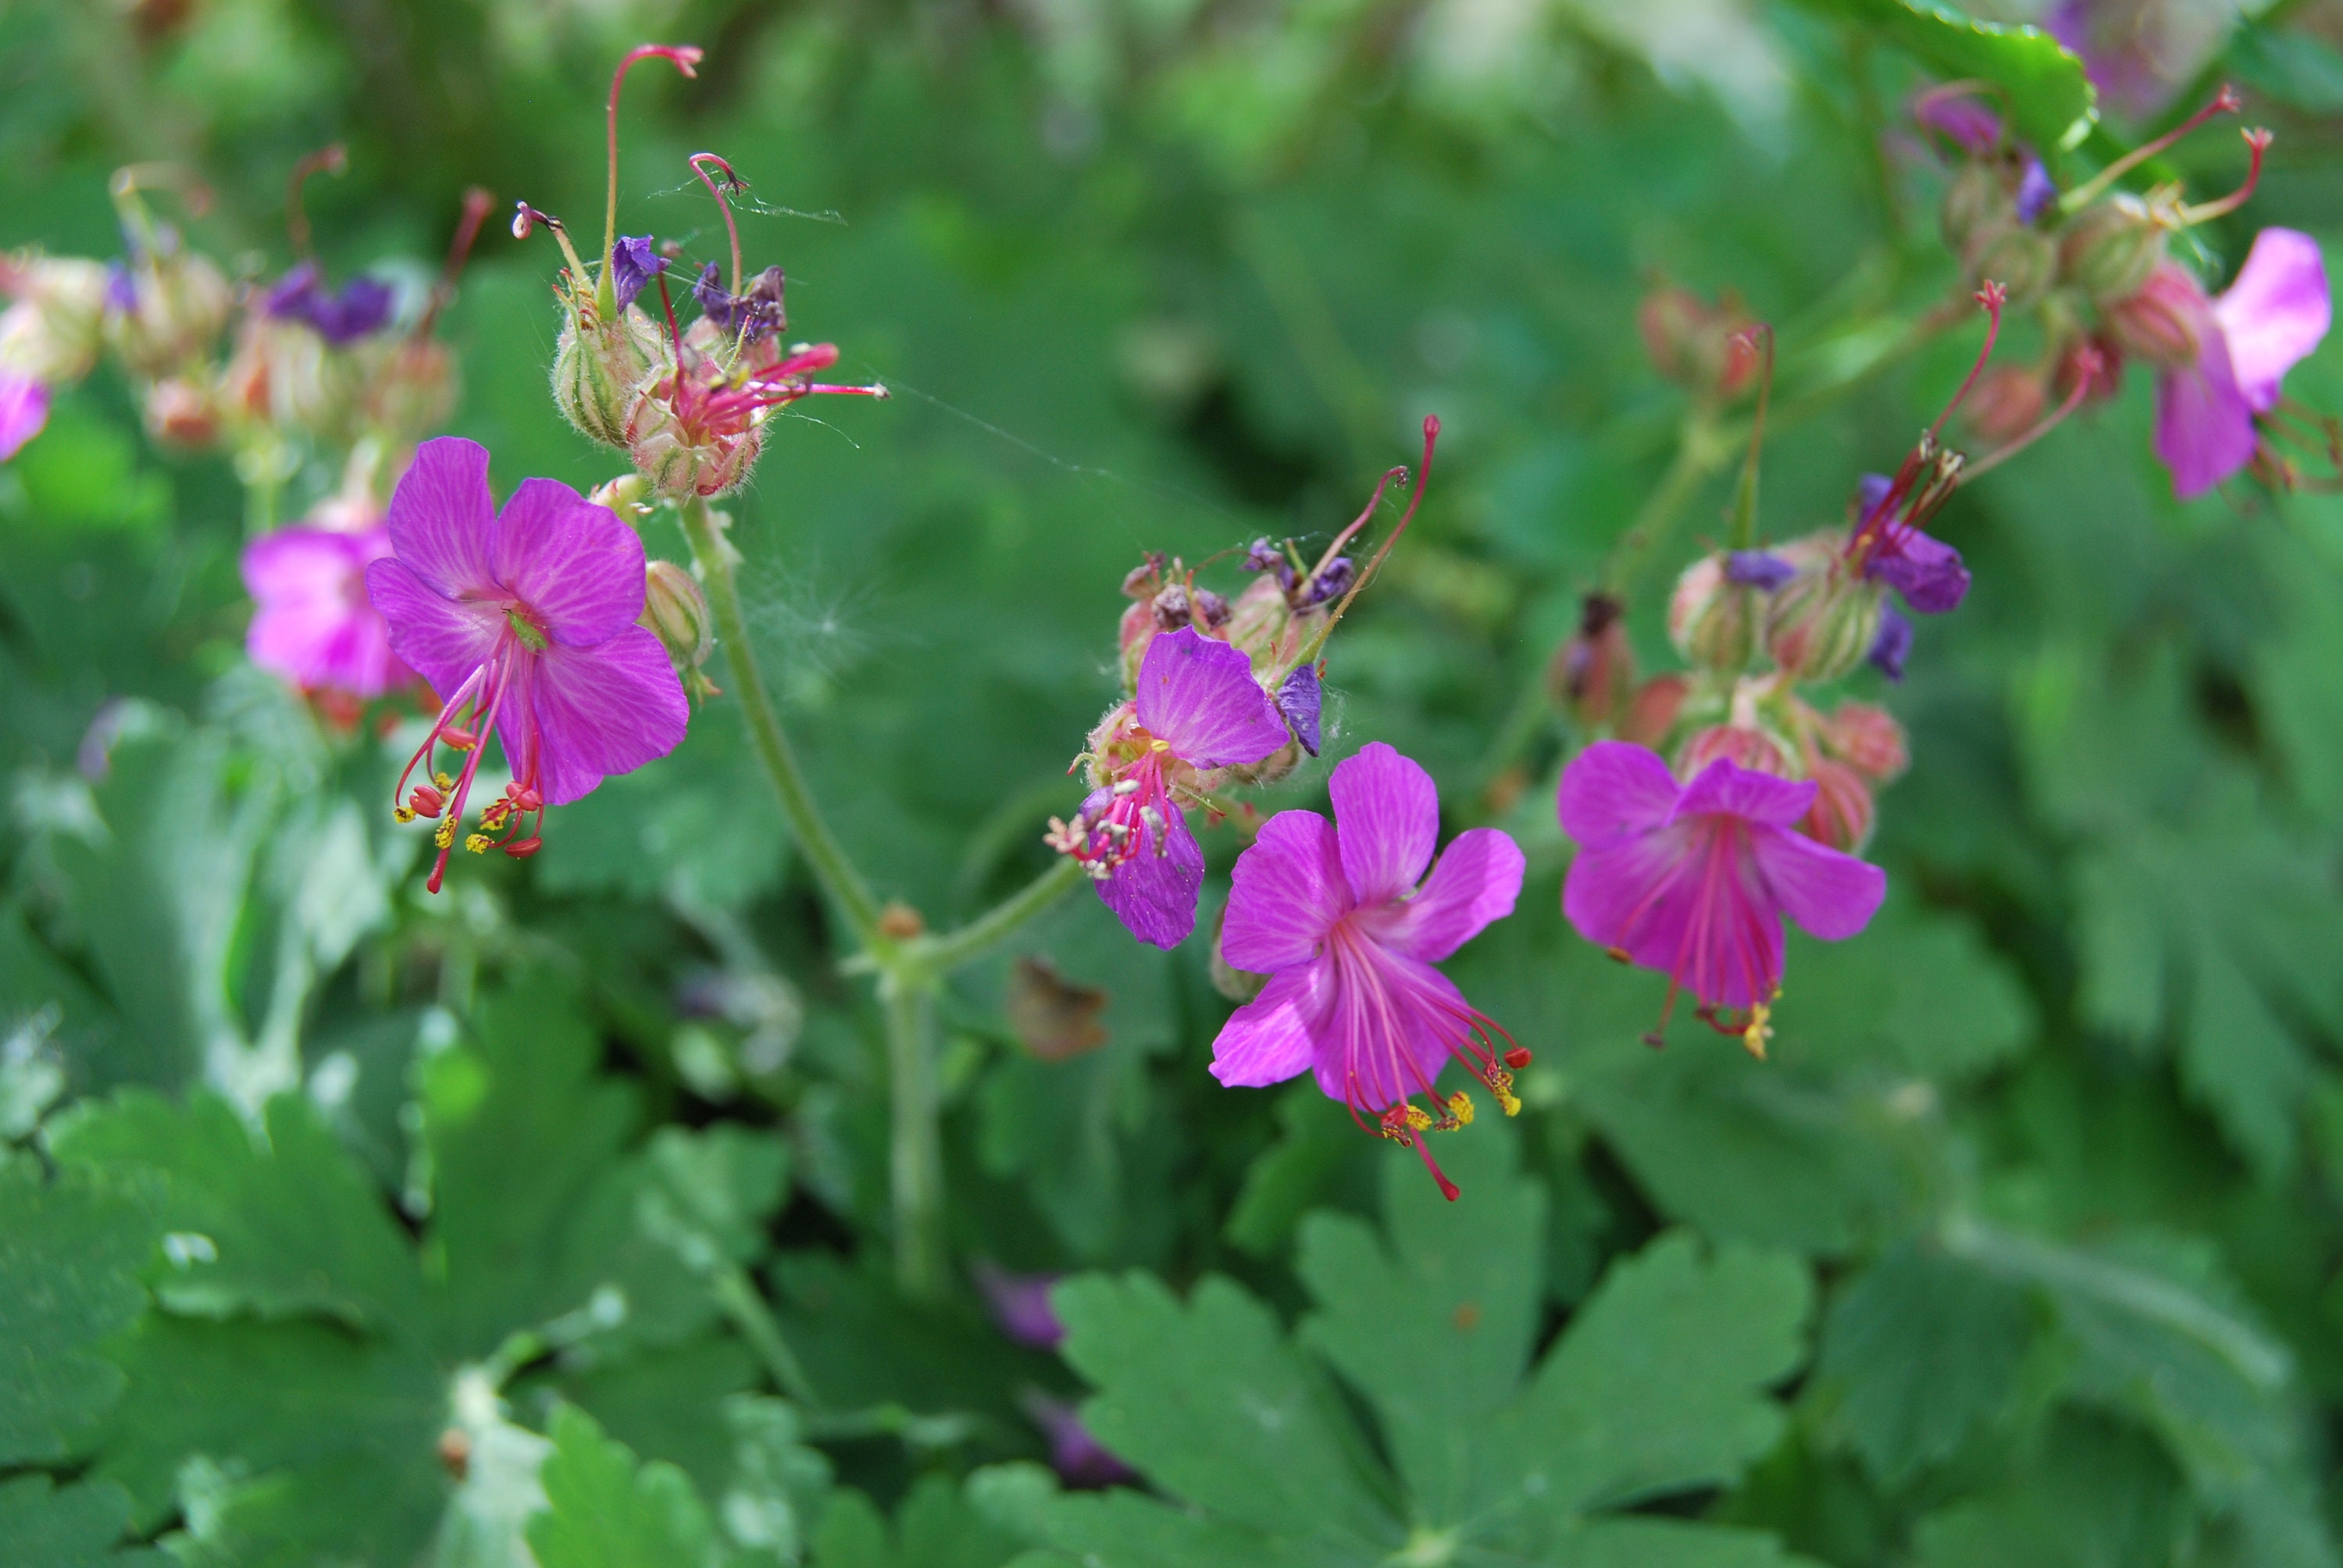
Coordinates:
[606,1510]
[2051,99]
[45,1526]
[71,1252]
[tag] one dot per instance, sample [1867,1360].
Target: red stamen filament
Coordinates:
[1992,297]
[2258,140]
[686,58]
[1414,499]
[477,202]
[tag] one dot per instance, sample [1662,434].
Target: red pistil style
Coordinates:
[332,160]
[1929,473]
[2258,140]
[1414,499]
[2225,102]
[686,58]
[732,182]
[477,201]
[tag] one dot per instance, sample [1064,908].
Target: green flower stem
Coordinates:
[939,956]
[836,874]
[915,1147]
[737,1294]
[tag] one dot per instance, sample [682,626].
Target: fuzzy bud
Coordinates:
[1842,813]
[1820,625]
[2108,249]
[1868,739]
[678,462]
[180,412]
[1593,672]
[1133,635]
[597,369]
[2164,321]
[1696,345]
[1712,619]
[677,611]
[1744,746]
[1263,622]
[283,373]
[2022,261]
[1977,207]
[2007,402]
[1652,712]
[50,333]
[627,495]
[167,310]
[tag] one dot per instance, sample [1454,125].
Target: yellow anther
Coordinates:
[479,843]
[1758,1032]
[1459,1106]
[402,814]
[446,834]
[444,782]
[1418,1118]
[1159,745]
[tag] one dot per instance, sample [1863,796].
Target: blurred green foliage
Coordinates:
[572,1246]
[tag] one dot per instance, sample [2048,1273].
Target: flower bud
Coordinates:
[410,390]
[1237,985]
[1977,207]
[2164,321]
[678,462]
[1712,618]
[2022,261]
[2107,377]
[597,369]
[1263,623]
[1593,672]
[1273,769]
[283,373]
[1819,625]
[628,494]
[181,412]
[50,333]
[1695,344]
[164,310]
[1133,635]
[675,609]
[2109,248]
[1744,746]
[1868,739]
[2007,402]
[1842,813]
[1652,712]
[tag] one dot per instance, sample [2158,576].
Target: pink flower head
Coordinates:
[24,410]
[1197,708]
[1693,880]
[1342,919]
[525,620]
[313,623]
[2272,317]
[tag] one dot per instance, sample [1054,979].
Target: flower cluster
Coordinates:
[2096,266]
[688,406]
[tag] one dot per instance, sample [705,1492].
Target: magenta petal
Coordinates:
[312,623]
[1154,896]
[444,641]
[2275,314]
[1726,788]
[1200,696]
[24,410]
[1687,901]
[2204,428]
[1279,1032]
[1391,1027]
[1476,882]
[600,711]
[443,518]
[577,567]
[1290,891]
[1830,895]
[1388,813]
[1613,787]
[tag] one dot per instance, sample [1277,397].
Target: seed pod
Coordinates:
[1841,814]
[596,371]
[2109,248]
[1822,623]
[1868,739]
[2163,321]
[675,609]
[1744,746]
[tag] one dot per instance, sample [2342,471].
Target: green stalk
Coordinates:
[936,957]
[915,1147]
[737,1294]
[836,874]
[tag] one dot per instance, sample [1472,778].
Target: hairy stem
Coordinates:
[838,875]
[915,1147]
[737,1294]
[956,950]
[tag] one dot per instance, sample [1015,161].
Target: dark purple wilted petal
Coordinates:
[341,318]
[291,297]
[1302,699]
[1927,571]
[2034,191]
[1020,1304]
[1962,119]
[754,315]
[1893,646]
[1758,570]
[633,264]
[121,288]
[1330,583]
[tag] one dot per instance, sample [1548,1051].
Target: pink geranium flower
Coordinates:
[312,622]
[24,410]
[525,622]
[2273,316]
[1342,919]
[1198,708]
[1694,880]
